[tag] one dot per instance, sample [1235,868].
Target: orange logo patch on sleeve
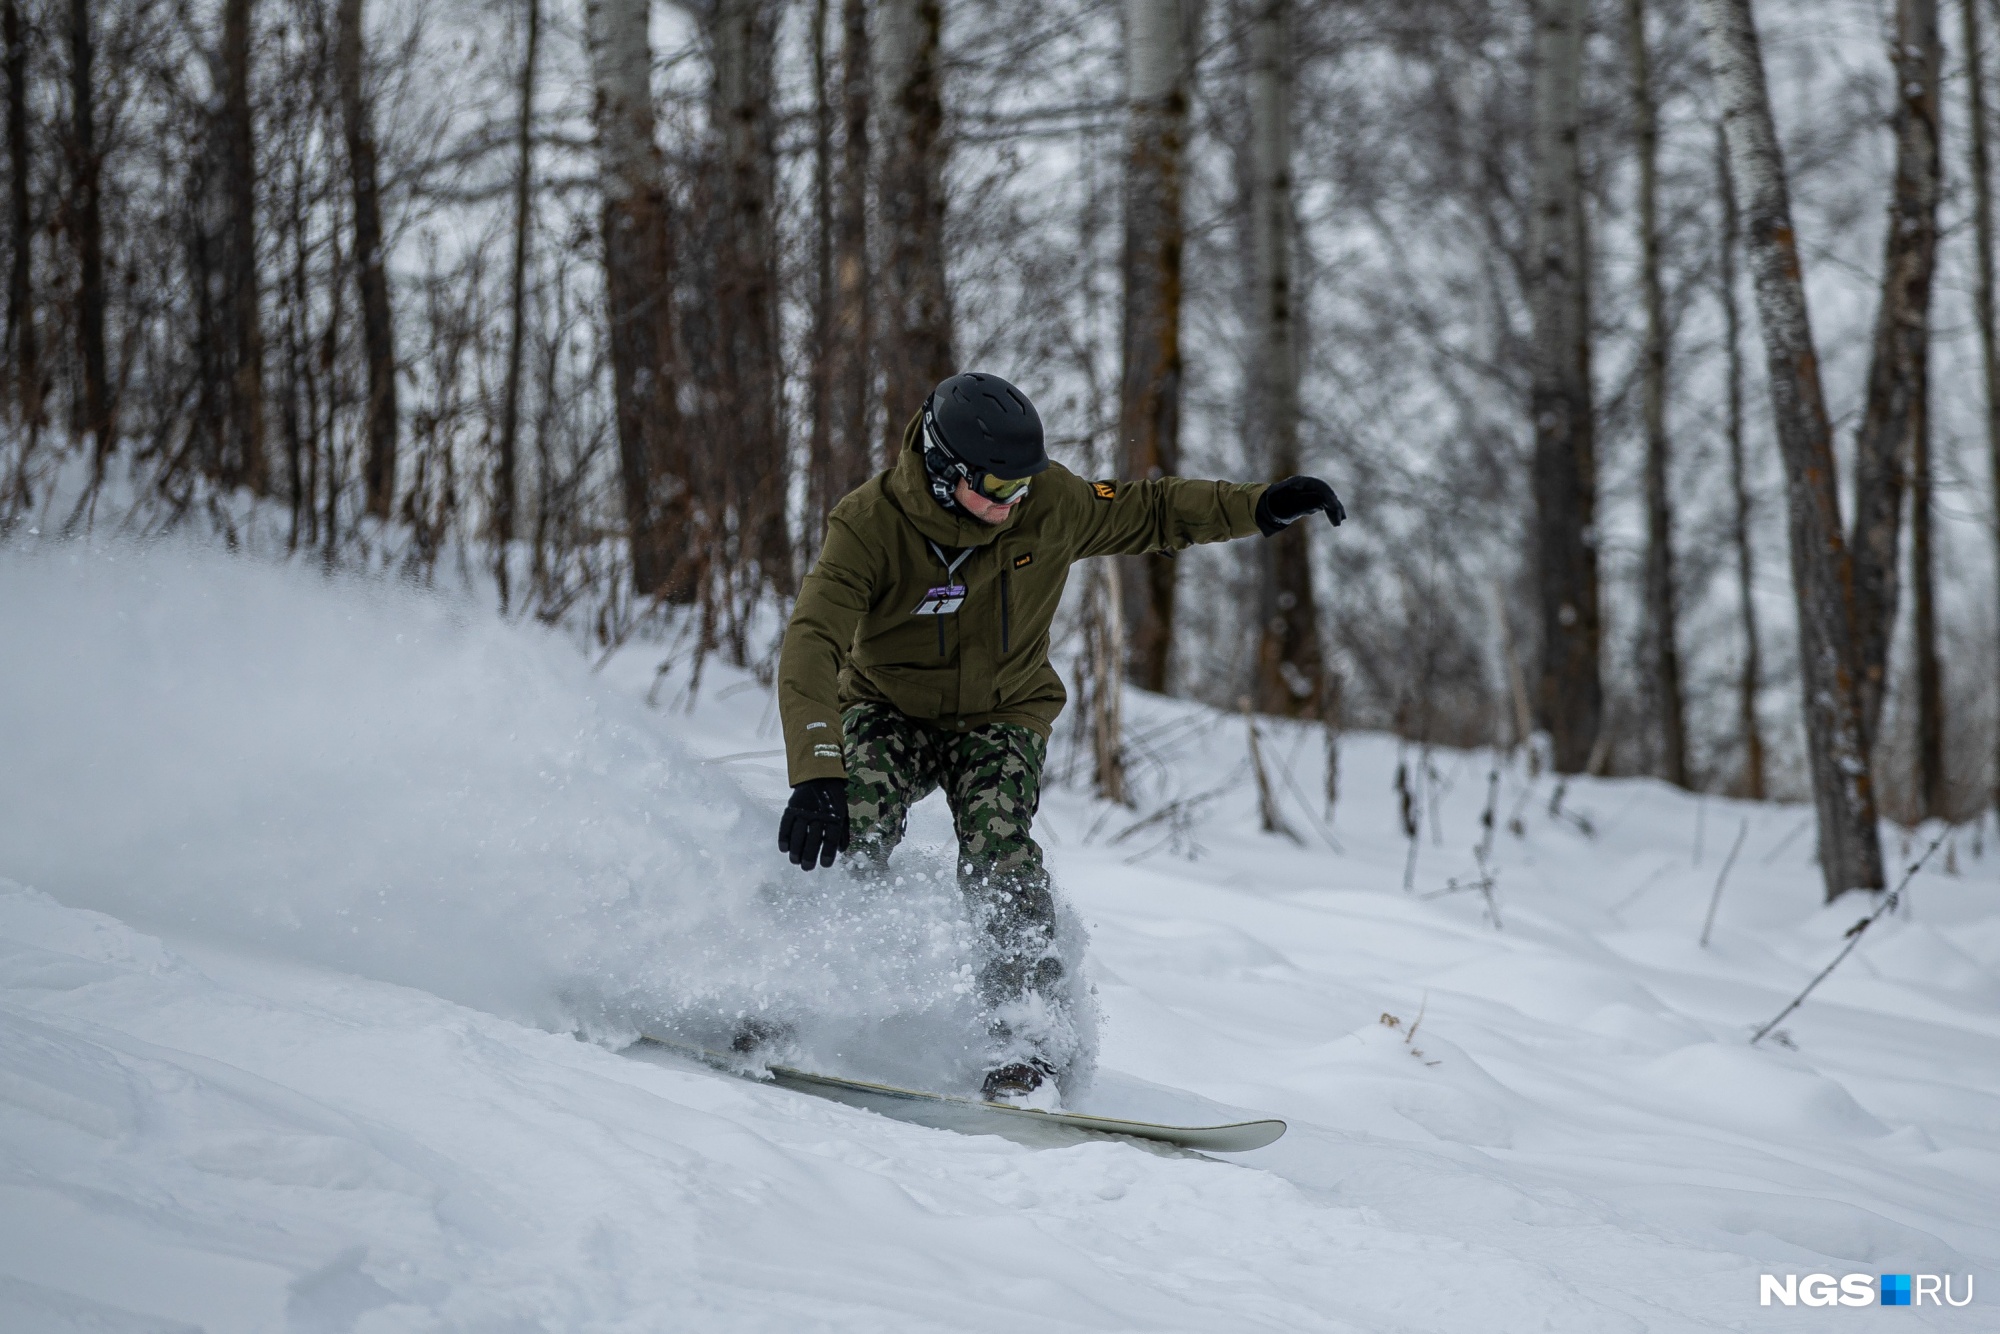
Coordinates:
[1104,490]
[1019,561]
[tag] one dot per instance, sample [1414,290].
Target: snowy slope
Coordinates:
[313,885]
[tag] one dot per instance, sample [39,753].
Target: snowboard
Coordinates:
[974,1116]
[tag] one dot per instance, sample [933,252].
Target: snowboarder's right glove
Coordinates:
[1294,498]
[814,826]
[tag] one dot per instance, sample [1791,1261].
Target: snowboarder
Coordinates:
[918,657]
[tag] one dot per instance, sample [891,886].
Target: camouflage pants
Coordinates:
[992,777]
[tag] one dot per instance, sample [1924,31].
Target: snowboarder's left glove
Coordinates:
[1294,498]
[814,826]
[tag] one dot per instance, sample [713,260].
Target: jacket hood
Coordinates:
[909,486]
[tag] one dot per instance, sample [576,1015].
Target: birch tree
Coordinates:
[1571,696]
[638,299]
[1662,602]
[1102,708]
[1150,387]
[1918,58]
[1982,212]
[1898,374]
[506,485]
[378,328]
[916,330]
[1289,666]
[1750,676]
[1931,796]
[1850,854]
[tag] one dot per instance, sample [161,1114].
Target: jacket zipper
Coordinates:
[1003,610]
[950,573]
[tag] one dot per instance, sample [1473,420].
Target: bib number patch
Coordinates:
[941,601]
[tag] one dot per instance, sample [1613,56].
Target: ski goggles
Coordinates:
[999,490]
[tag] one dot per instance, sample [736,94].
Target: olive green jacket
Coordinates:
[855,633]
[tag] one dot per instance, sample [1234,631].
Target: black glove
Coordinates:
[814,826]
[1294,498]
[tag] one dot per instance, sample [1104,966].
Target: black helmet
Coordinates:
[977,427]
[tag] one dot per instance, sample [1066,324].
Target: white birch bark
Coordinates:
[506,486]
[1982,206]
[1897,408]
[621,62]
[1750,679]
[1289,666]
[1822,570]
[1662,593]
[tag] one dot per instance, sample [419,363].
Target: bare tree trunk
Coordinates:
[1150,388]
[1662,609]
[506,487]
[851,453]
[749,437]
[638,296]
[1931,795]
[1332,722]
[378,334]
[1572,693]
[1850,853]
[21,349]
[1897,406]
[94,417]
[245,463]
[917,332]
[1102,664]
[819,445]
[1751,679]
[327,428]
[228,422]
[1103,619]
[1289,666]
[297,418]
[1982,207]
[1522,725]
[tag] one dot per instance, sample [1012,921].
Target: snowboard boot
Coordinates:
[1029,1083]
[759,1038]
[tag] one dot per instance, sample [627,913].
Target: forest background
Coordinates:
[594,309]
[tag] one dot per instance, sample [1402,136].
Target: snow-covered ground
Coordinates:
[313,887]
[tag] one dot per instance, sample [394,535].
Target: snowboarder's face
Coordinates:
[979,507]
